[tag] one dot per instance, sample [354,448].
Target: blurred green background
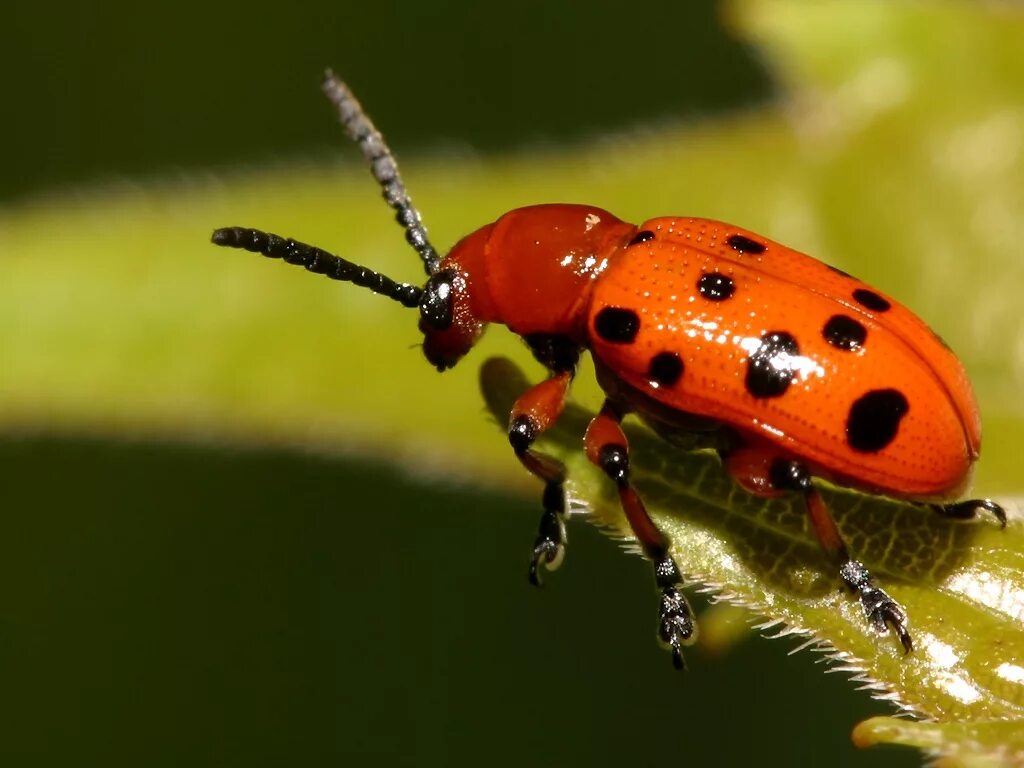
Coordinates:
[235,561]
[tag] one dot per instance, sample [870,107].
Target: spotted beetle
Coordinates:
[799,369]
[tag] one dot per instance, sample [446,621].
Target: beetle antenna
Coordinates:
[362,131]
[316,260]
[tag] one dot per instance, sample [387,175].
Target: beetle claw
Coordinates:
[968,510]
[884,613]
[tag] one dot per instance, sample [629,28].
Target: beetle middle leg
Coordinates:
[607,448]
[766,474]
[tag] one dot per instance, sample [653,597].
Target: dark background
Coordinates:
[188,604]
[121,89]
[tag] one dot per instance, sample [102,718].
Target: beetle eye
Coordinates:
[437,300]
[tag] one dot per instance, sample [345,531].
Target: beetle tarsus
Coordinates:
[880,609]
[676,626]
[549,547]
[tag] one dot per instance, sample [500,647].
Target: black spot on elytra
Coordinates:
[769,368]
[715,286]
[874,419]
[871,300]
[616,325]
[641,237]
[844,332]
[744,244]
[665,369]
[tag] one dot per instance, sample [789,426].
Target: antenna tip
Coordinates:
[224,236]
[330,81]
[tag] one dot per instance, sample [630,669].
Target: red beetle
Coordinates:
[794,368]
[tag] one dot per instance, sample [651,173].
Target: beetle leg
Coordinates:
[968,510]
[607,448]
[879,608]
[537,409]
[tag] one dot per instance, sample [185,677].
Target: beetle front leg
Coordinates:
[607,448]
[534,412]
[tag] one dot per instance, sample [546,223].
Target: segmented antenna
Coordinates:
[318,261]
[361,130]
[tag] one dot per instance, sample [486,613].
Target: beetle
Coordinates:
[794,369]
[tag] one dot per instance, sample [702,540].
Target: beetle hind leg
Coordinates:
[968,510]
[607,448]
[879,608]
[765,474]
